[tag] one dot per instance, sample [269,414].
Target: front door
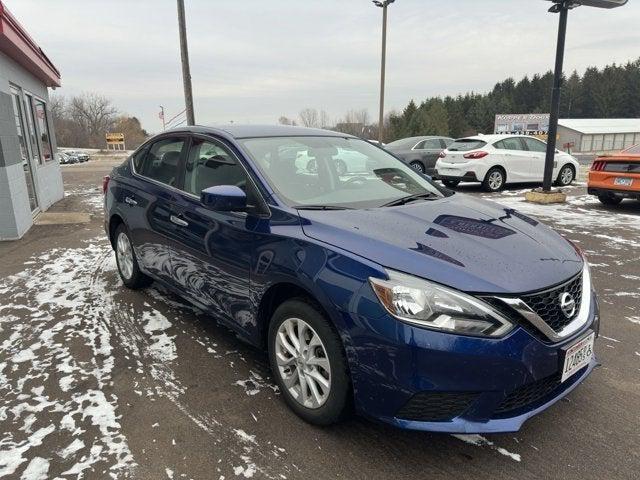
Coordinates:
[19,116]
[538,152]
[214,258]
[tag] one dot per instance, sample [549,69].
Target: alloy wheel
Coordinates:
[566,176]
[417,166]
[124,253]
[495,180]
[303,364]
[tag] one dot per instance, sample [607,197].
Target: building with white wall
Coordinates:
[30,177]
[598,135]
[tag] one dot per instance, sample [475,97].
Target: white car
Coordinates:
[495,160]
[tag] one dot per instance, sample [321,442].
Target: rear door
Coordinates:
[516,159]
[538,152]
[147,199]
[429,150]
[213,259]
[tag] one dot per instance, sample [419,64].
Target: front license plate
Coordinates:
[626,182]
[577,356]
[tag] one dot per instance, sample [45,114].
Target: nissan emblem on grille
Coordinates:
[567,304]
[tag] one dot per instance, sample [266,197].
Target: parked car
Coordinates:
[81,156]
[420,153]
[495,160]
[613,178]
[421,307]
[66,159]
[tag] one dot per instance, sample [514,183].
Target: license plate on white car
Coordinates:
[577,356]
[626,182]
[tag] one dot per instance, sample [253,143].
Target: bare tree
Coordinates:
[354,122]
[286,121]
[95,113]
[309,117]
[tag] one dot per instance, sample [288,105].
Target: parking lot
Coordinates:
[97,381]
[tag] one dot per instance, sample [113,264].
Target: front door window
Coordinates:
[24,152]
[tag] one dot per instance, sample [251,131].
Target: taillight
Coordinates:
[105,184]
[475,155]
[443,154]
[598,166]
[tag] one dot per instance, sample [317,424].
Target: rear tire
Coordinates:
[451,183]
[494,180]
[417,166]
[126,261]
[609,200]
[300,319]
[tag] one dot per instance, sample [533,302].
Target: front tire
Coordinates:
[308,363]
[494,180]
[126,261]
[417,166]
[566,176]
[609,200]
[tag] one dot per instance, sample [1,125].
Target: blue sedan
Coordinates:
[379,292]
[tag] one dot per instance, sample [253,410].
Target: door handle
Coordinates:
[130,201]
[178,221]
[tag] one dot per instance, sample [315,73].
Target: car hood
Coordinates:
[468,244]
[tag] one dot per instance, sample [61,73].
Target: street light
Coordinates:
[382,4]
[562,7]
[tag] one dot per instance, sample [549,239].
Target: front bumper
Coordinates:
[472,378]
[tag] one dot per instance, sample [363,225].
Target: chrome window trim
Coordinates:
[189,140]
[574,326]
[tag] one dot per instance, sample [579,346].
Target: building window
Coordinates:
[608,142]
[618,143]
[628,140]
[597,142]
[43,129]
[17,113]
[586,143]
[33,137]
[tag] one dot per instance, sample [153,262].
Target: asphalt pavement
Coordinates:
[100,382]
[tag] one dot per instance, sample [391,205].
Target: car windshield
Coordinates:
[405,143]
[335,172]
[466,144]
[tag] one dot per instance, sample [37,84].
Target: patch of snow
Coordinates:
[480,441]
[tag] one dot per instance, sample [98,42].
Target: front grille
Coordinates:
[547,304]
[528,394]
[436,406]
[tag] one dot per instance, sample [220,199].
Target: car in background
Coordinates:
[81,156]
[495,160]
[420,307]
[66,159]
[613,178]
[420,153]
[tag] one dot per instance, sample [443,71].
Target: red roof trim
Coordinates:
[18,45]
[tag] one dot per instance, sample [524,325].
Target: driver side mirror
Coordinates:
[224,198]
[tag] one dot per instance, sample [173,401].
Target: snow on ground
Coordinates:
[65,328]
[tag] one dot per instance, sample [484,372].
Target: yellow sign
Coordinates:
[115,137]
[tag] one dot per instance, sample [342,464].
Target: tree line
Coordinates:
[82,121]
[610,92]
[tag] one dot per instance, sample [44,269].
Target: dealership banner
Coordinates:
[535,124]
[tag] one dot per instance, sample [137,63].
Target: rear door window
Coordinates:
[161,163]
[512,143]
[466,144]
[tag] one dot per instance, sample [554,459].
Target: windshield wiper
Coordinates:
[411,198]
[320,207]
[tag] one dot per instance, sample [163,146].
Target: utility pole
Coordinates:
[186,71]
[164,125]
[382,4]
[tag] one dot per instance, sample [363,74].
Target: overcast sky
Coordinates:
[254,60]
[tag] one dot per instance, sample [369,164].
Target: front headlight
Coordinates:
[426,304]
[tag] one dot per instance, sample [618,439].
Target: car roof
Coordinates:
[492,138]
[253,131]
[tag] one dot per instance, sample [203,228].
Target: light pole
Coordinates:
[562,7]
[382,4]
[186,71]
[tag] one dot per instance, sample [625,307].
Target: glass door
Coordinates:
[24,151]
